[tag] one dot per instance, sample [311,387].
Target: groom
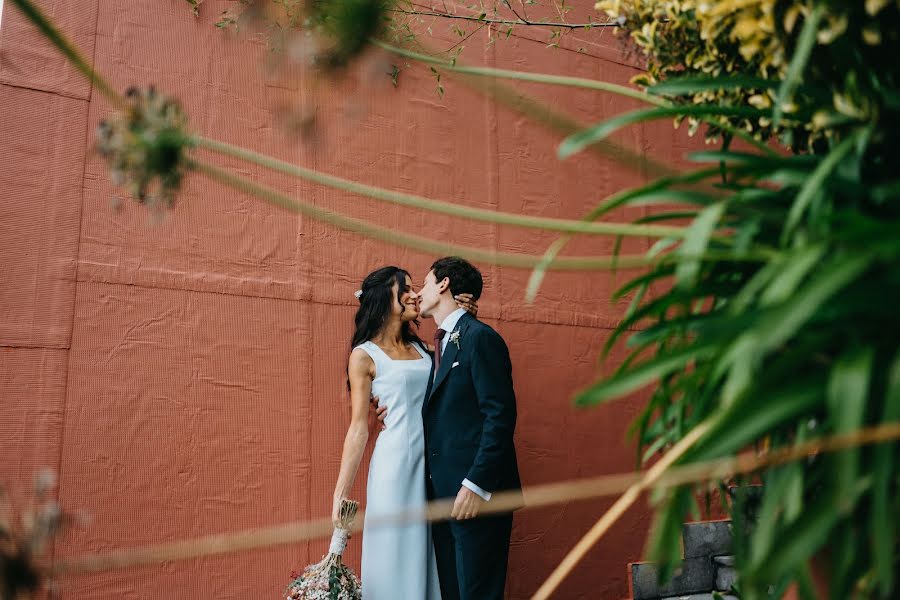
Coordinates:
[469,415]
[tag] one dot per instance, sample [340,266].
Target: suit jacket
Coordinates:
[469,414]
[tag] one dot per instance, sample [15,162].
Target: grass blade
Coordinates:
[802,52]
[577,142]
[813,184]
[695,243]
[883,520]
[682,86]
[848,390]
[747,420]
[638,377]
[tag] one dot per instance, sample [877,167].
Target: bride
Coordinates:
[389,361]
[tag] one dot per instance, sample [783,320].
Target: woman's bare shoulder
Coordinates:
[360,360]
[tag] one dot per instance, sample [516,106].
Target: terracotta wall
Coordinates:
[186,377]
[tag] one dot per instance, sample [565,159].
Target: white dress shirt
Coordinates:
[448,325]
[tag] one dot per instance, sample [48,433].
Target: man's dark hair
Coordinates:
[464,277]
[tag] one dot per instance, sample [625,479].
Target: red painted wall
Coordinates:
[187,377]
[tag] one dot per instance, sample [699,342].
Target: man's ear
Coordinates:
[443,285]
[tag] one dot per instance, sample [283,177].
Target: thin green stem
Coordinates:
[68,49]
[392,236]
[437,206]
[493,21]
[544,114]
[430,246]
[707,113]
[579,82]
[549,257]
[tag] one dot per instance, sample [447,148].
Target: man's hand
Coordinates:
[467,504]
[380,412]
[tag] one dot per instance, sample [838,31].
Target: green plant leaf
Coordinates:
[578,141]
[814,185]
[751,418]
[695,242]
[800,58]
[665,535]
[680,215]
[783,321]
[882,520]
[790,273]
[639,376]
[848,389]
[749,292]
[651,190]
[805,586]
[772,513]
[681,86]
[800,540]
[660,272]
[758,161]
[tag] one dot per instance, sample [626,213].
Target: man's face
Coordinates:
[430,294]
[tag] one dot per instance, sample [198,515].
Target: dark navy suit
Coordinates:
[469,415]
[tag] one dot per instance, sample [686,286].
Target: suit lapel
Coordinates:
[430,385]
[450,354]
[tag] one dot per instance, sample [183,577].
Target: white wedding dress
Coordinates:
[398,562]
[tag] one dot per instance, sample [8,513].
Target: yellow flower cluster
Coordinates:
[750,37]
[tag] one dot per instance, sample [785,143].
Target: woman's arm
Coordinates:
[361,370]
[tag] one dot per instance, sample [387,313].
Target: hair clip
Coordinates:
[358,294]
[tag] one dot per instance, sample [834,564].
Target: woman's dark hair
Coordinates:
[375,305]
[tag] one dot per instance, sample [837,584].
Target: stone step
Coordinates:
[726,577]
[724,561]
[695,575]
[706,538]
[726,574]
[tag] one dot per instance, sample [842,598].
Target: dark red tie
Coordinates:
[438,336]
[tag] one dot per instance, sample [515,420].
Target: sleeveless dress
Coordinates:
[398,562]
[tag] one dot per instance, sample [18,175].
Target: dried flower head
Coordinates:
[327,35]
[313,44]
[145,147]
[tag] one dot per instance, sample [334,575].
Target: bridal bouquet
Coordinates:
[330,579]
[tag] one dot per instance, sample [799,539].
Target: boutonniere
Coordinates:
[454,337]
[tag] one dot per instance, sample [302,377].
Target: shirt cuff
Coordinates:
[484,495]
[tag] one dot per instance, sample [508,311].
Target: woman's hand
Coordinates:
[336,511]
[468,302]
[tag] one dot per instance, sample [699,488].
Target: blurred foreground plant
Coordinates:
[746,49]
[26,534]
[806,343]
[768,320]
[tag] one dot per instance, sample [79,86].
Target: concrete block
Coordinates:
[706,538]
[694,575]
[725,578]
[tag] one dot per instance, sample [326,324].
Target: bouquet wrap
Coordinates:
[330,578]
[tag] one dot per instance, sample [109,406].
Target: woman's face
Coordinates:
[408,306]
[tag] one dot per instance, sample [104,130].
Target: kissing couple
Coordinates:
[448,412]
